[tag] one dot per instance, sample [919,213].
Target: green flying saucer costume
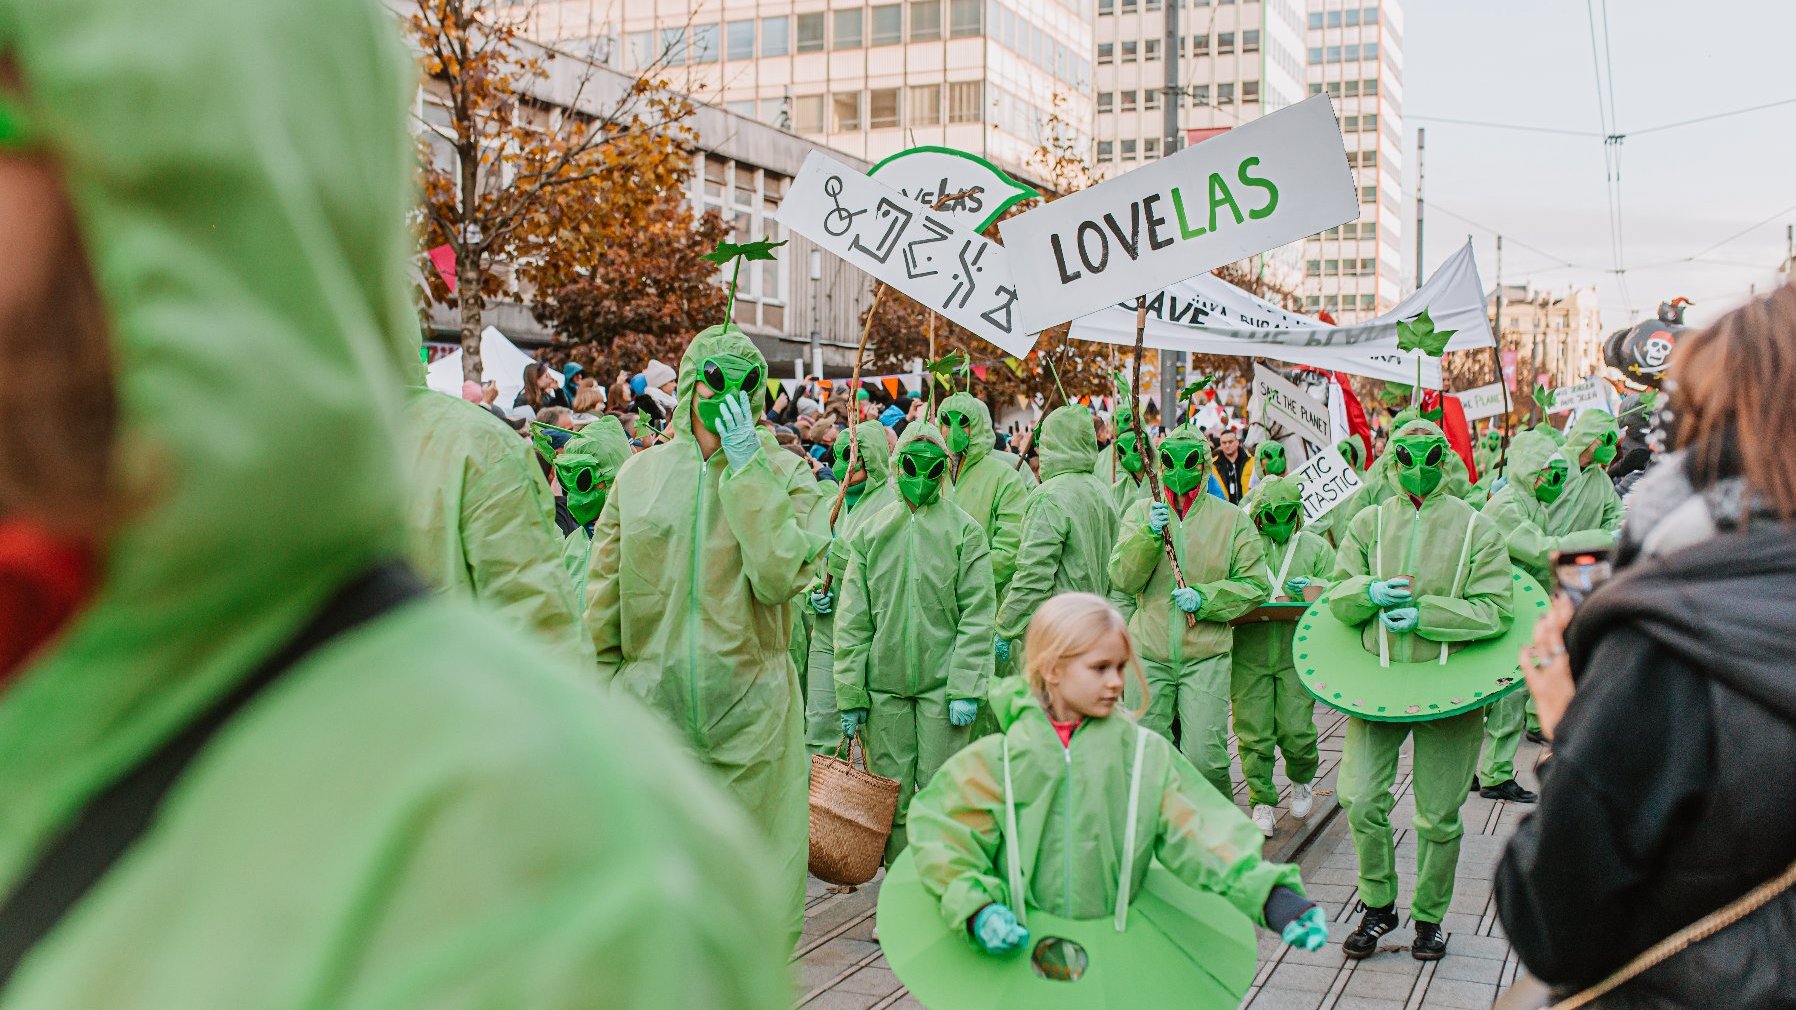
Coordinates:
[696,566]
[990,490]
[1060,834]
[1221,557]
[1068,524]
[1271,706]
[914,624]
[1460,592]
[430,811]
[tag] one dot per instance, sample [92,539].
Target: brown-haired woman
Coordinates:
[1671,701]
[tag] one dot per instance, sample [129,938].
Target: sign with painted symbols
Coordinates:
[1280,178]
[956,272]
[927,174]
[1325,482]
[1277,400]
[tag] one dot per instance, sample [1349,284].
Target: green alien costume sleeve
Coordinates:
[1590,501]
[991,492]
[428,812]
[695,570]
[1068,527]
[1074,820]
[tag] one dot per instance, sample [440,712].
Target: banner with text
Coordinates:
[928,174]
[1482,401]
[1592,392]
[1326,481]
[1276,399]
[962,275]
[1278,179]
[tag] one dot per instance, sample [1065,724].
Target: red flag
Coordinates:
[979,372]
[443,258]
[1357,425]
[1325,317]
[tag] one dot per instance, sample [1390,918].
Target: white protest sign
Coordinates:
[958,273]
[1280,178]
[1592,392]
[1277,399]
[1482,402]
[1326,481]
[926,174]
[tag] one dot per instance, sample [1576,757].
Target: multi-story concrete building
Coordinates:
[1559,335]
[1355,54]
[982,76]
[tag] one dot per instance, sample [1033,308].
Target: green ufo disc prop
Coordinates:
[1183,948]
[1335,667]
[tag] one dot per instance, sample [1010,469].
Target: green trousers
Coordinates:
[1503,721]
[822,727]
[1446,754]
[1533,717]
[1271,709]
[909,739]
[1197,691]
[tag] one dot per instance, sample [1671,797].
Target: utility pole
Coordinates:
[1421,135]
[1170,100]
[1499,323]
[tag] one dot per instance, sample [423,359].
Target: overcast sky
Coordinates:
[1528,62]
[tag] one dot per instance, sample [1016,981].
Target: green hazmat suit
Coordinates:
[432,811]
[593,455]
[482,520]
[1020,465]
[1589,501]
[1072,806]
[1068,524]
[1487,454]
[695,573]
[1461,584]
[914,632]
[1271,707]
[1188,667]
[822,728]
[990,491]
[1129,489]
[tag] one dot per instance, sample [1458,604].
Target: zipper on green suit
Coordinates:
[693,611]
[910,579]
[1067,779]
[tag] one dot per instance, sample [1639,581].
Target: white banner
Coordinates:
[1326,481]
[1278,400]
[1277,179]
[926,174]
[1207,315]
[1482,401]
[958,273]
[1592,392]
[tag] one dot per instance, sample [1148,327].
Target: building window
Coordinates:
[1250,41]
[1128,150]
[741,40]
[1331,267]
[1150,99]
[810,33]
[1128,101]
[1315,55]
[1200,95]
[1150,147]
[1313,267]
[1129,48]
[1150,49]
[1225,43]
[1250,91]
[745,109]
[1128,6]
[888,25]
[1106,150]
[845,111]
[965,100]
[704,43]
[847,29]
[1106,101]
[1316,20]
[925,20]
[1315,89]
[926,105]
[1369,88]
[639,49]
[776,36]
[963,18]
[1349,124]
[1225,93]
[773,113]
[673,44]
[1106,53]
[1368,194]
[1334,19]
[1369,122]
[1106,7]
[1368,16]
[1350,89]
[1368,301]
[882,108]
[807,113]
[1369,51]
[1200,44]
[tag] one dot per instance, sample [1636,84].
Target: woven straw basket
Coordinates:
[851,817]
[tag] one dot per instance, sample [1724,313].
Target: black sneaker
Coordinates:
[1475,787]
[1430,943]
[1510,790]
[1363,942]
[1536,736]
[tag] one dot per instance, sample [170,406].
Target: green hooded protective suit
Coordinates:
[1271,707]
[914,632]
[696,569]
[822,730]
[1073,815]
[1020,465]
[1068,524]
[988,488]
[593,455]
[1461,579]
[482,520]
[430,811]
[1589,501]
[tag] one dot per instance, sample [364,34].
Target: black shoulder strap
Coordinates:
[115,818]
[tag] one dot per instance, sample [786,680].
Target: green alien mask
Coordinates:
[1604,452]
[1493,439]
[724,375]
[1551,482]
[1278,520]
[586,484]
[1128,455]
[1272,459]
[1419,460]
[1184,462]
[1350,452]
[957,429]
[920,467]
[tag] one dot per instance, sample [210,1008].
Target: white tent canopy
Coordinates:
[501,361]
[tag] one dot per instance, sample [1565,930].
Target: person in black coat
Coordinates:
[1671,704]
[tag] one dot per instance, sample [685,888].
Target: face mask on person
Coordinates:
[725,375]
[957,429]
[1278,521]
[1604,452]
[1128,456]
[586,485]
[1272,458]
[920,467]
[1551,482]
[1184,464]
[1419,460]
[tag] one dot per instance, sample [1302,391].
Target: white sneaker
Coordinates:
[1303,799]
[1263,816]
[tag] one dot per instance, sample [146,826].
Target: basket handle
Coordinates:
[848,744]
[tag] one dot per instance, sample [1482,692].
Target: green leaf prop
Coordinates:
[728,252]
[1419,334]
[1395,393]
[946,367]
[1545,398]
[1191,390]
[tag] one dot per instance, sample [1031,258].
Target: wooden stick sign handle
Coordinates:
[1149,459]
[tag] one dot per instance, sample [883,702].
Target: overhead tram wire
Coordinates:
[1621,134]
[1559,261]
[1731,238]
[1611,155]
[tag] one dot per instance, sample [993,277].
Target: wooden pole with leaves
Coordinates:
[1148,457]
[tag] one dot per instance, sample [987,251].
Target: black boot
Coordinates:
[1536,736]
[1475,787]
[1510,790]
[1430,943]
[1363,942]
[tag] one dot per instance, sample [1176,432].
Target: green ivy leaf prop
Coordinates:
[1419,334]
[733,252]
[1395,393]
[1545,398]
[946,367]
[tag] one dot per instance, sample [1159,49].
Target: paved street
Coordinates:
[840,967]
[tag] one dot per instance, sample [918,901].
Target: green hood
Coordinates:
[243,212]
[984,438]
[603,440]
[1011,699]
[1272,491]
[1452,477]
[1553,434]
[876,450]
[1584,432]
[1067,442]
[1528,456]
[711,341]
